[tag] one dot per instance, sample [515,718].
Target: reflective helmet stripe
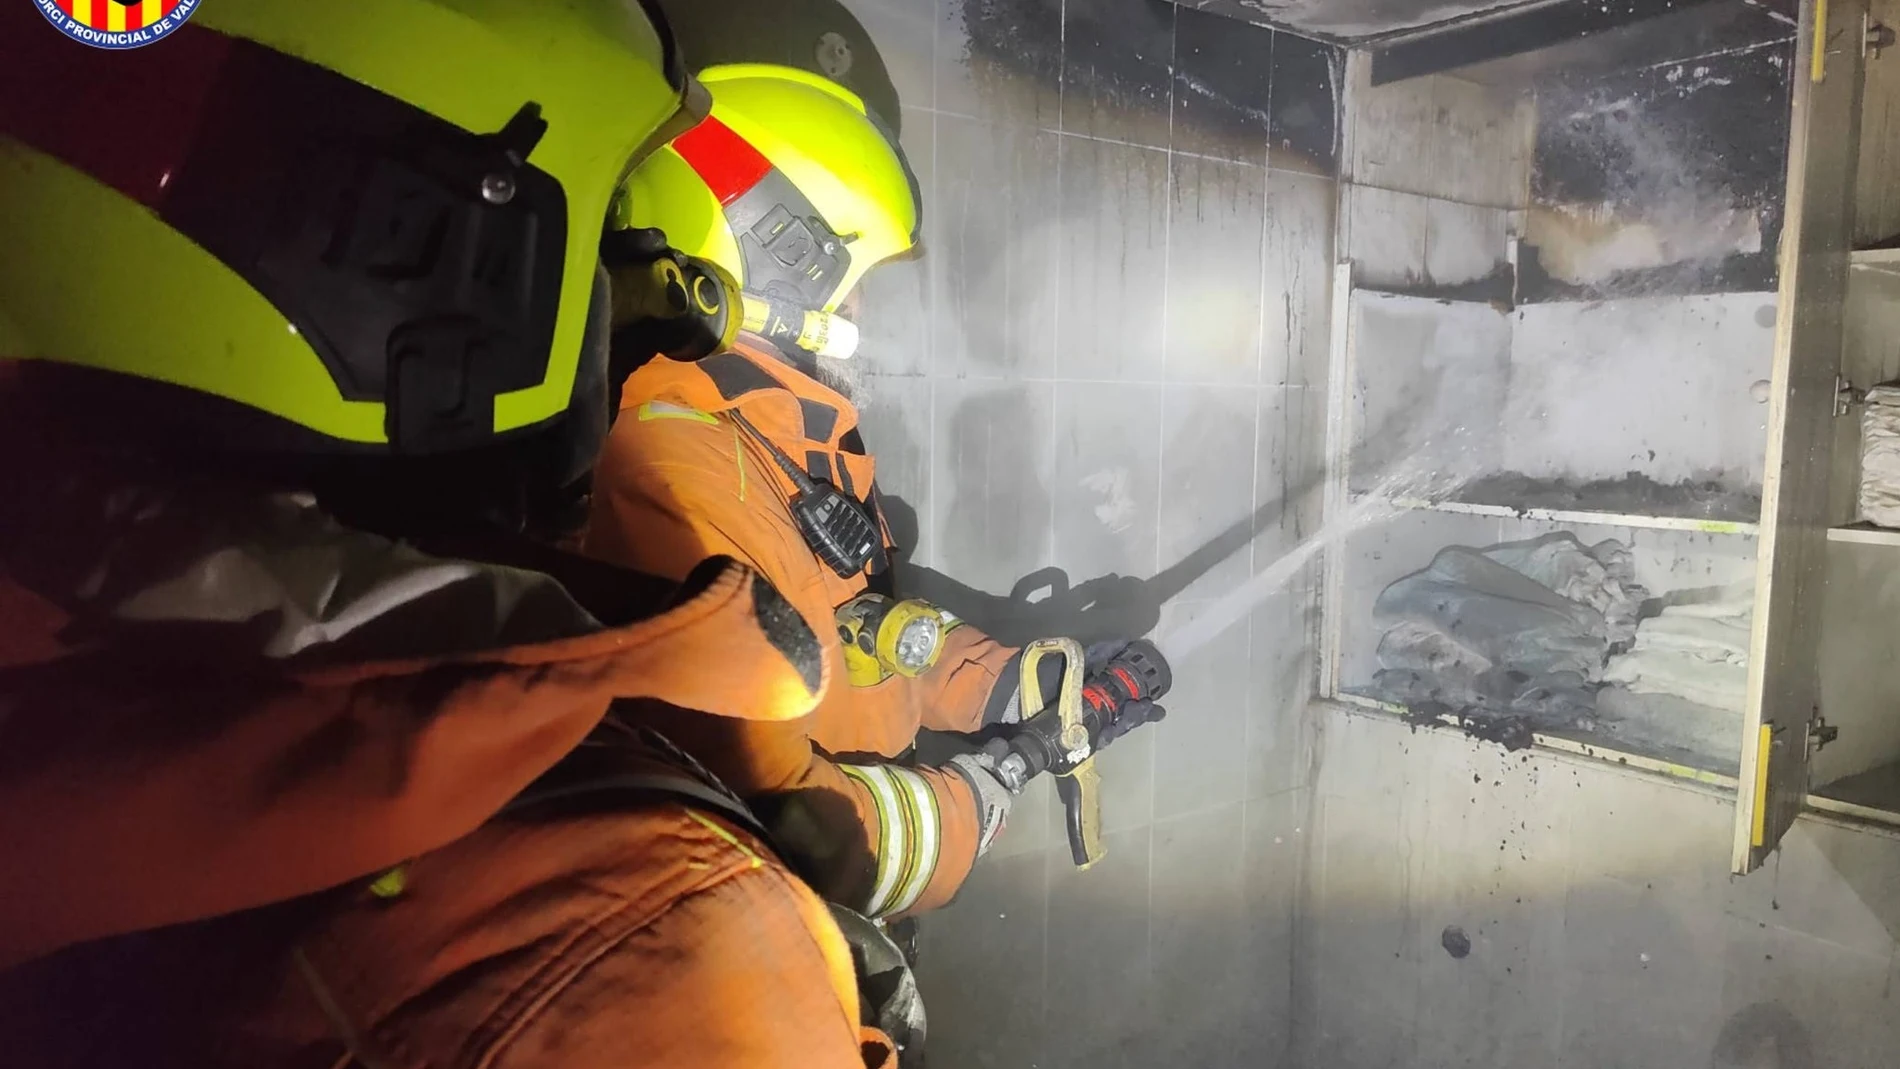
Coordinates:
[726,162]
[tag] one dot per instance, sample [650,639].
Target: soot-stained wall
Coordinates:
[1663,179]
[1096,400]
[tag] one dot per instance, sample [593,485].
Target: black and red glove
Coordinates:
[1124,680]
[1119,692]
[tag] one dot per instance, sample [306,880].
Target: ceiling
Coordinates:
[1720,27]
[1350,20]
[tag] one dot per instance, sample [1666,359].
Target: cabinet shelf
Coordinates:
[1600,519]
[1884,261]
[1852,812]
[1576,746]
[1865,534]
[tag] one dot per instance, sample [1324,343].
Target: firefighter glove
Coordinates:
[993,799]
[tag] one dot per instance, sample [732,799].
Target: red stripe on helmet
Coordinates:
[726,162]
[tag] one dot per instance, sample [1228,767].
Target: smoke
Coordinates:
[1587,244]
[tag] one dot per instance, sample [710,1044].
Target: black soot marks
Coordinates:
[1455,942]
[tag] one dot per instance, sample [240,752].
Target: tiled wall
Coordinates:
[1109,356]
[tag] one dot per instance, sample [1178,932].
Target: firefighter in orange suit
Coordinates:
[309,756]
[220,853]
[689,473]
[748,454]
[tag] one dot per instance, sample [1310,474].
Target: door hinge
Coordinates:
[1820,732]
[1846,395]
[1875,36]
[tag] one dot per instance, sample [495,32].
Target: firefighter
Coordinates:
[308,757]
[747,454]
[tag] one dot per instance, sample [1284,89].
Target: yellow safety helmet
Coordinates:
[376,221]
[790,185]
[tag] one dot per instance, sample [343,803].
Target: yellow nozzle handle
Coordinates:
[1081,794]
[1080,787]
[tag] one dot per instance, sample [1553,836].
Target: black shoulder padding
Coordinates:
[735,376]
[788,633]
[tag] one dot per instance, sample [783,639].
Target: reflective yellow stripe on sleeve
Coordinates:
[652,410]
[909,835]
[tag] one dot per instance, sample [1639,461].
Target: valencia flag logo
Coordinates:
[116,24]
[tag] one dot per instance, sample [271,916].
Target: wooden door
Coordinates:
[1784,656]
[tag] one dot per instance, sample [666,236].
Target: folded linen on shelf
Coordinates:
[1694,651]
[1880,457]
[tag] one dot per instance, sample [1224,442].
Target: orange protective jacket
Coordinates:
[222,715]
[680,480]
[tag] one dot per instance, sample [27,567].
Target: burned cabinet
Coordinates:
[1585,338]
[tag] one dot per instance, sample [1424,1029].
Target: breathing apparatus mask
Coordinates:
[791,186]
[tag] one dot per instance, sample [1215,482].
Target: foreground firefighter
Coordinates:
[278,789]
